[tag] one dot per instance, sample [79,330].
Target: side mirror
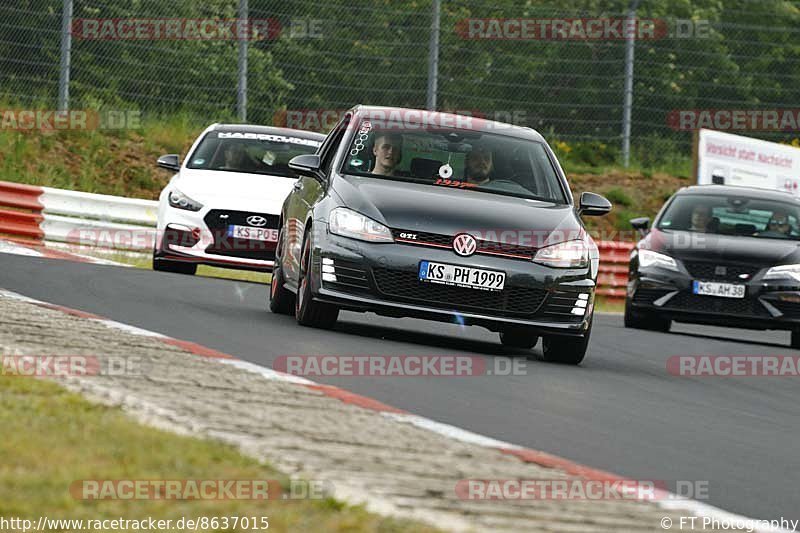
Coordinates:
[170,162]
[307,165]
[593,205]
[641,224]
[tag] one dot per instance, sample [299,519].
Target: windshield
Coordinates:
[255,153]
[733,215]
[456,158]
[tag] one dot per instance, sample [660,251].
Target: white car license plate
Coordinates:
[725,290]
[461,276]
[254,234]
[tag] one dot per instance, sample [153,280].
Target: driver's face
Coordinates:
[479,163]
[779,222]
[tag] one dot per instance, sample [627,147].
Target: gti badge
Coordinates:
[257,221]
[465,244]
[721,271]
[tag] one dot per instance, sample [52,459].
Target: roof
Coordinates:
[254,128]
[443,119]
[736,190]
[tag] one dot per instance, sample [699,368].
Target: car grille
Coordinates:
[351,277]
[686,301]
[400,285]
[485,247]
[648,296]
[244,248]
[789,309]
[559,305]
[708,271]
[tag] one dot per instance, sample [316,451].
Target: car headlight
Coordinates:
[569,254]
[648,258]
[180,201]
[348,223]
[783,272]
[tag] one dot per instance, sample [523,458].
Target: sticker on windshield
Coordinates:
[361,138]
[199,161]
[269,137]
[454,183]
[356,162]
[445,171]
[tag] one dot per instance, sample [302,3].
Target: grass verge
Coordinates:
[52,437]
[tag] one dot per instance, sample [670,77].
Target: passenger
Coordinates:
[701,217]
[388,151]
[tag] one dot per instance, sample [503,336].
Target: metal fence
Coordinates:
[560,67]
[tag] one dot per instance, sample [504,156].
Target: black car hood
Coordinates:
[448,211]
[709,247]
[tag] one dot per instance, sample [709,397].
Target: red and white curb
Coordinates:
[663,499]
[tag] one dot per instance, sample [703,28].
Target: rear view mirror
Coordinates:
[592,204]
[641,224]
[169,162]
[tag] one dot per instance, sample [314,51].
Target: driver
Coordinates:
[479,166]
[778,224]
[233,156]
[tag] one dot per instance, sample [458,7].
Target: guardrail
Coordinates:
[72,217]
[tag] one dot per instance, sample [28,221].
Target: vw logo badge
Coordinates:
[465,244]
[257,221]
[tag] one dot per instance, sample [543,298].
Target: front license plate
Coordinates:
[461,276]
[725,290]
[254,234]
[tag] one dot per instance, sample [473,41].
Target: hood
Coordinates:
[234,190]
[709,247]
[449,211]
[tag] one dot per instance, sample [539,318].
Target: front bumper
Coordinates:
[382,278]
[199,237]
[665,293]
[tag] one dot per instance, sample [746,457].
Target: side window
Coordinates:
[331,146]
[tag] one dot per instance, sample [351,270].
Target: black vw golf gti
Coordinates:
[445,217]
[720,255]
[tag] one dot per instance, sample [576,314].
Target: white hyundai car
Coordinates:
[223,206]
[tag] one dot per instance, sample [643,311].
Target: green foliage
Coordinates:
[618,196]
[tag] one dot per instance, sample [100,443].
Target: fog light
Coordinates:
[327,261]
[581,303]
[583,297]
[578,311]
[328,268]
[326,276]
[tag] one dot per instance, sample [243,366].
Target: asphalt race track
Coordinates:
[620,411]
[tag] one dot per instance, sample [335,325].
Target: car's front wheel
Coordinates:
[518,337]
[281,300]
[566,350]
[176,267]
[306,310]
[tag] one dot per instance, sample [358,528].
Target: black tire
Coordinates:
[176,267]
[281,300]
[795,342]
[518,337]
[566,350]
[638,320]
[306,310]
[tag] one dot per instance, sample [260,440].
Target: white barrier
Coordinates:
[99,207]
